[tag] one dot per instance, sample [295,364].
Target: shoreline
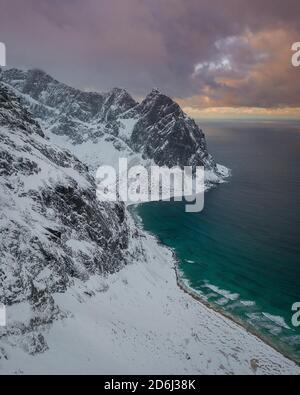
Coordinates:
[186,337]
[193,294]
[185,288]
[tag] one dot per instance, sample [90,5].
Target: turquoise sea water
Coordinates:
[242,253]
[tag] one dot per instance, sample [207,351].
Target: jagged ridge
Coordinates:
[52,227]
[157,127]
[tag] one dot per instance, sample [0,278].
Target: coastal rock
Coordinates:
[167,135]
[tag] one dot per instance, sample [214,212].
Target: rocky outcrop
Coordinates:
[52,227]
[167,135]
[157,127]
[54,234]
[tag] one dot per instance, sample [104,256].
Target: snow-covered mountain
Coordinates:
[167,135]
[155,129]
[52,227]
[87,291]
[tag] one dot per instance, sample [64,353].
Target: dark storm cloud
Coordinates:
[215,52]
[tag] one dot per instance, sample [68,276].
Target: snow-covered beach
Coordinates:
[138,321]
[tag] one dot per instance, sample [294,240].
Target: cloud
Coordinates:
[204,52]
[251,70]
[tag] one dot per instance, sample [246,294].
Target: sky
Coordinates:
[216,58]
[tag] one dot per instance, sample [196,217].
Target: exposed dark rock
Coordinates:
[162,131]
[52,226]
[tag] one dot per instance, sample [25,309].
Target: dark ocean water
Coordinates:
[242,253]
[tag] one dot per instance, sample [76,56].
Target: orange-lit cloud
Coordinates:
[242,112]
[266,79]
[206,53]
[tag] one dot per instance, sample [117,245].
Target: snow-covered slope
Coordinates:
[138,321]
[86,290]
[156,129]
[52,227]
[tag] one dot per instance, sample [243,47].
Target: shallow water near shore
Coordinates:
[242,252]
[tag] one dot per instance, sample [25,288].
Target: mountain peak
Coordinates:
[159,105]
[122,94]
[119,91]
[40,75]
[156,91]
[156,96]
[159,128]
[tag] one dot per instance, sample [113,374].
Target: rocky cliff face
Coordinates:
[157,127]
[52,227]
[167,135]
[56,240]
[54,232]
[51,221]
